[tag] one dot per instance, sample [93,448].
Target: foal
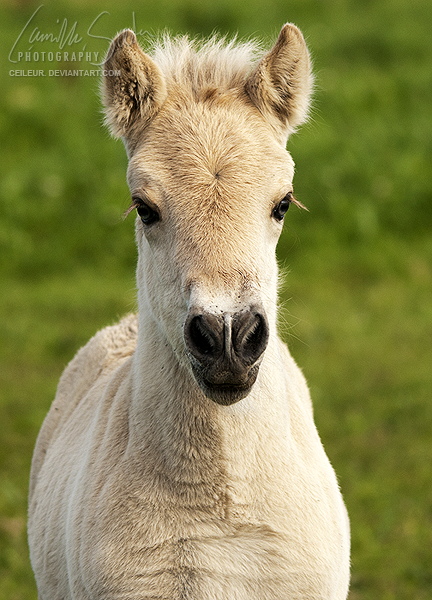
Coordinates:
[180,459]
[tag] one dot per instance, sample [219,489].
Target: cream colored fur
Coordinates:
[141,486]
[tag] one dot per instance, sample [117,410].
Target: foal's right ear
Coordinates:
[133,86]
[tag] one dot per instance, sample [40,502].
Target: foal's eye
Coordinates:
[147,214]
[281,208]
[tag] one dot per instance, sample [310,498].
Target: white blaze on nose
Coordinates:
[227,333]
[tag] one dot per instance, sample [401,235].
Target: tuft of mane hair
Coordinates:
[217,62]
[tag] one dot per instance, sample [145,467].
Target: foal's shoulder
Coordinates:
[295,380]
[98,359]
[102,354]
[94,362]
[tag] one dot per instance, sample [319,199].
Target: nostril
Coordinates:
[200,336]
[251,336]
[254,336]
[203,335]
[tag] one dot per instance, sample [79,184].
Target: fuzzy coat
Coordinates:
[142,486]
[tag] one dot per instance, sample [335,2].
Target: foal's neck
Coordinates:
[188,434]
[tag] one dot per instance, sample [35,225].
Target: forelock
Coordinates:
[219,63]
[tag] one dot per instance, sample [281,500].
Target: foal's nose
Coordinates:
[224,350]
[236,340]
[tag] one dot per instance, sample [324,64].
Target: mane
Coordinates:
[217,62]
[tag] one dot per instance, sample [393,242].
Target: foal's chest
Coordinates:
[182,555]
[250,564]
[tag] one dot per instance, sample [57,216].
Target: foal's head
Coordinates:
[205,131]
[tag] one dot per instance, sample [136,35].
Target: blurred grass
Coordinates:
[357,310]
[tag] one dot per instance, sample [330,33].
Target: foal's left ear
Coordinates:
[281,84]
[133,86]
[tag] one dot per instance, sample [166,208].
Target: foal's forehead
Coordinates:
[216,145]
[225,172]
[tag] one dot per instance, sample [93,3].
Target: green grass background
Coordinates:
[357,301]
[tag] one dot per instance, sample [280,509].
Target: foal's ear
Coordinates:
[133,86]
[281,84]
